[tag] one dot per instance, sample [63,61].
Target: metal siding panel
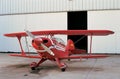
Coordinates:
[41,4]
[116,4]
[26,6]
[78,4]
[88,4]
[70,5]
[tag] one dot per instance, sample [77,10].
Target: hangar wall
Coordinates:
[32,22]
[96,20]
[109,20]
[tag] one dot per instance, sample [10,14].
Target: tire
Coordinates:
[63,69]
[33,68]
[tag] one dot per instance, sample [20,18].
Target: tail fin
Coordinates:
[70,46]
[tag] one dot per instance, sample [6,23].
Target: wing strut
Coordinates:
[91,44]
[22,51]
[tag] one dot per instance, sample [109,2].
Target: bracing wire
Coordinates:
[79,39]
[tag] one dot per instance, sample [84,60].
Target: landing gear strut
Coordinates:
[34,65]
[61,65]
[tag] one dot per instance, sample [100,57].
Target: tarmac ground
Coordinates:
[18,68]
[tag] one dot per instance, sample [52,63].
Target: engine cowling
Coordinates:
[36,43]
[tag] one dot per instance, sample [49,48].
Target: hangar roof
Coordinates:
[41,6]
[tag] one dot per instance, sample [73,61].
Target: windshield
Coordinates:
[59,40]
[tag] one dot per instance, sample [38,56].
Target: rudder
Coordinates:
[70,46]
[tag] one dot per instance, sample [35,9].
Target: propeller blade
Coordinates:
[41,50]
[47,49]
[29,34]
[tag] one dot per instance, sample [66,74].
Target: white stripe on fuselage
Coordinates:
[57,47]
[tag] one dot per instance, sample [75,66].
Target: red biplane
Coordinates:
[51,48]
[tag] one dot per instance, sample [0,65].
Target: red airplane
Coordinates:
[51,48]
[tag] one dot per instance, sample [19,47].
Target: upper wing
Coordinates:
[63,32]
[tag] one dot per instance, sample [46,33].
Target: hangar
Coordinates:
[17,15]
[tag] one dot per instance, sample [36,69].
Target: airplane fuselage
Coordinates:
[54,44]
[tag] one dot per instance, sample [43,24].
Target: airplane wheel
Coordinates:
[33,65]
[63,69]
[68,59]
[33,68]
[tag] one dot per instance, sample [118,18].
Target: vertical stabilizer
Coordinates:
[70,46]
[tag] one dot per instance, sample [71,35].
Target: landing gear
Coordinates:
[68,59]
[61,65]
[63,69]
[33,68]
[34,65]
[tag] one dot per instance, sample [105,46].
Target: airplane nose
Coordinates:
[37,41]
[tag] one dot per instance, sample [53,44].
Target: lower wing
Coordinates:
[84,56]
[26,56]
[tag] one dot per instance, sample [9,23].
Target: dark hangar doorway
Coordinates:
[78,21]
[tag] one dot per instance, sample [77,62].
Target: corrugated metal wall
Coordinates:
[30,6]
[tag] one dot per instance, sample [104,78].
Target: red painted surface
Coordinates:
[54,45]
[64,32]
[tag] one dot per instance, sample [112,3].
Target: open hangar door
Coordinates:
[77,20]
[105,20]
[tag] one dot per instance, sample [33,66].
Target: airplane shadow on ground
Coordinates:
[48,68]
[84,69]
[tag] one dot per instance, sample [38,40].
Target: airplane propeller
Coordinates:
[44,46]
[29,34]
[47,49]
